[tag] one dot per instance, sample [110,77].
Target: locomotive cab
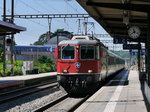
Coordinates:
[78,65]
[83,62]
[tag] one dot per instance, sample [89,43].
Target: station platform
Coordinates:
[117,96]
[13,82]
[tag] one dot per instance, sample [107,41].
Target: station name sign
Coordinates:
[131,46]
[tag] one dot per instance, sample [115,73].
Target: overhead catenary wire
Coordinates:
[76,11]
[46,9]
[72,7]
[8,10]
[30,6]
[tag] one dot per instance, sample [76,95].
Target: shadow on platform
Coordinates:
[144,88]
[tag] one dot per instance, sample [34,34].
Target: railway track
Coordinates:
[69,104]
[64,103]
[15,94]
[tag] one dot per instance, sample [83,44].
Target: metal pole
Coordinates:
[146,57]
[57,40]
[4,11]
[139,64]
[12,39]
[148,49]
[85,28]
[79,26]
[12,11]
[49,24]
[130,56]
[4,54]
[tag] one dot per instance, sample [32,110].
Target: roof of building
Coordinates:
[8,28]
[78,42]
[54,40]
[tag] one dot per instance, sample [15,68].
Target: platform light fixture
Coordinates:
[126,17]
[125,13]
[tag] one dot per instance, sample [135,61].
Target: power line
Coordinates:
[30,6]
[8,10]
[39,11]
[46,9]
[72,7]
[43,7]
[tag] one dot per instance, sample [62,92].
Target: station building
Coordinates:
[32,52]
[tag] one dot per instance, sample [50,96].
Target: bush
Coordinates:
[47,69]
[42,71]
[17,70]
[8,72]
[44,64]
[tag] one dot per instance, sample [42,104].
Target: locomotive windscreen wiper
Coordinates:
[65,46]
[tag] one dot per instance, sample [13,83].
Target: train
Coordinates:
[83,62]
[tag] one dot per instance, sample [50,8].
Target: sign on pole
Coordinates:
[119,41]
[28,65]
[134,53]
[131,46]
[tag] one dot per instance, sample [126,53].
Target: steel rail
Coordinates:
[9,96]
[62,101]
[59,102]
[25,88]
[48,105]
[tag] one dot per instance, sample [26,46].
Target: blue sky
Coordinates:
[36,27]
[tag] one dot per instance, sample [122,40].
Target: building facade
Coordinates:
[30,52]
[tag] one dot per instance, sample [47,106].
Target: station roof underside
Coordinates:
[111,13]
[8,28]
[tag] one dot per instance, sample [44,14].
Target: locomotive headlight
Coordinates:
[65,71]
[77,47]
[90,71]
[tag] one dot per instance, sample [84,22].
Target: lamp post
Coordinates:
[12,39]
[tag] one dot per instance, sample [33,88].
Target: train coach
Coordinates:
[83,63]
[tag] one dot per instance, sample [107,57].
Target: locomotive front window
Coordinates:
[68,52]
[87,52]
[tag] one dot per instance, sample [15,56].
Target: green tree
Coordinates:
[45,63]
[45,59]
[46,36]
[43,39]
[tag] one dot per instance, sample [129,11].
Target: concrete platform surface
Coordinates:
[126,96]
[21,81]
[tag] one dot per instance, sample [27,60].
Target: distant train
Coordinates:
[83,62]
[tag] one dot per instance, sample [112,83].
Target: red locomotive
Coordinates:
[83,62]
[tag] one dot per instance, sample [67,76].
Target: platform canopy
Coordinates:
[113,15]
[8,28]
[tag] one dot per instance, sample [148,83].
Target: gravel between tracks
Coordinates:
[29,103]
